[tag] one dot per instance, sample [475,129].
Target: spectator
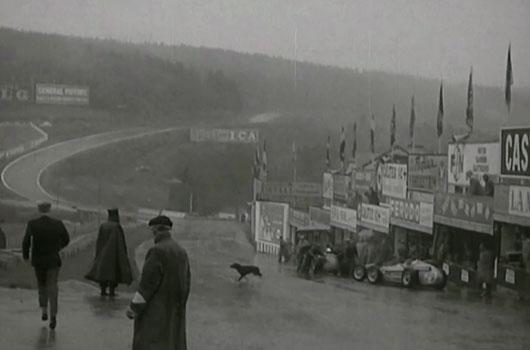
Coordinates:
[489,187]
[485,268]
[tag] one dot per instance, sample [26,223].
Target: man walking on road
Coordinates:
[159,305]
[46,236]
[111,265]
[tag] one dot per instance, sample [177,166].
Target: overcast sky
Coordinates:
[433,38]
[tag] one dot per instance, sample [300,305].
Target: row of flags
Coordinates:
[260,158]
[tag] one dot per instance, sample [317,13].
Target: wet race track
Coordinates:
[278,311]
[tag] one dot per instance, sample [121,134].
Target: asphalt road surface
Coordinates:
[278,311]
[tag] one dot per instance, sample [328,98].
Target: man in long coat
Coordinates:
[159,305]
[111,265]
[45,237]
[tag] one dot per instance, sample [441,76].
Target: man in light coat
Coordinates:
[159,305]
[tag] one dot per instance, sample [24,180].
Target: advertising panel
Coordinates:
[394,180]
[341,187]
[519,201]
[327,186]
[306,189]
[62,94]
[427,172]
[271,221]
[417,213]
[512,204]
[480,158]
[470,213]
[375,217]
[298,218]
[320,216]
[364,179]
[344,218]
[515,151]
[224,135]
[12,93]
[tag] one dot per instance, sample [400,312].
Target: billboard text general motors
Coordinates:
[62,94]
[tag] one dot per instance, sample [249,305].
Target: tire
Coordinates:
[409,278]
[359,273]
[373,274]
[442,284]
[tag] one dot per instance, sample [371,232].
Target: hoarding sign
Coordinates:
[341,187]
[412,211]
[276,189]
[519,201]
[394,180]
[306,189]
[298,218]
[10,93]
[62,94]
[375,217]
[224,135]
[271,221]
[480,158]
[364,179]
[327,186]
[462,210]
[344,218]
[515,151]
[320,216]
[427,173]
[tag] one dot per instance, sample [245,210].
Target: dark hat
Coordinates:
[160,220]
[113,213]
[44,207]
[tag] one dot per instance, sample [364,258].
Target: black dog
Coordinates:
[245,270]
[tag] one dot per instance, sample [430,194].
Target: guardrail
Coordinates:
[25,146]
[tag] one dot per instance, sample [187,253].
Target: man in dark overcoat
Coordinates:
[159,305]
[46,237]
[111,265]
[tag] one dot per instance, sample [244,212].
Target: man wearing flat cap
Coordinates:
[46,237]
[111,265]
[159,305]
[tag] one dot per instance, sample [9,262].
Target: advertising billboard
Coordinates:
[515,151]
[375,217]
[62,94]
[512,204]
[271,221]
[427,172]
[224,135]
[419,214]
[341,187]
[480,158]
[474,213]
[344,218]
[12,93]
[394,180]
[327,186]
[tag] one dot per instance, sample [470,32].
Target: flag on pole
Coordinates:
[342,146]
[509,79]
[393,127]
[264,159]
[469,109]
[294,151]
[257,165]
[440,119]
[412,122]
[328,155]
[354,143]
[372,134]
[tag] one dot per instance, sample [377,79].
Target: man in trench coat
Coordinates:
[111,265]
[159,305]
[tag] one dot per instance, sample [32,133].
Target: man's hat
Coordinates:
[44,207]
[160,220]
[113,213]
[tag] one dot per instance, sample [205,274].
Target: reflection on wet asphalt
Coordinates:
[278,311]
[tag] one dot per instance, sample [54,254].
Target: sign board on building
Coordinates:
[306,189]
[10,93]
[480,158]
[512,204]
[327,186]
[474,213]
[394,180]
[276,189]
[416,213]
[344,218]
[298,218]
[427,172]
[341,187]
[271,222]
[364,179]
[320,216]
[62,94]
[515,151]
[375,217]
[224,135]
[519,201]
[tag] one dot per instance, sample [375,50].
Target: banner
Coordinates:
[470,213]
[62,94]
[271,221]
[415,212]
[394,180]
[427,172]
[515,151]
[327,186]
[480,158]
[224,135]
[375,217]
[344,218]
[341,187]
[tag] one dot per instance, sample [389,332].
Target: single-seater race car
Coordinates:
[409,274]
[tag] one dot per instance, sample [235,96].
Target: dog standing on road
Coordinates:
[244,270]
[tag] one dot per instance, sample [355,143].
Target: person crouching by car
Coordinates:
[485,266]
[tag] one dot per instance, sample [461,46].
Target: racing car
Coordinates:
[409,274]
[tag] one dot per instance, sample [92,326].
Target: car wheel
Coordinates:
[442,283]
[373,274]
[359,273]
[409,278]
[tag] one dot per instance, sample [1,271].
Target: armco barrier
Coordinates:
[27,145]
